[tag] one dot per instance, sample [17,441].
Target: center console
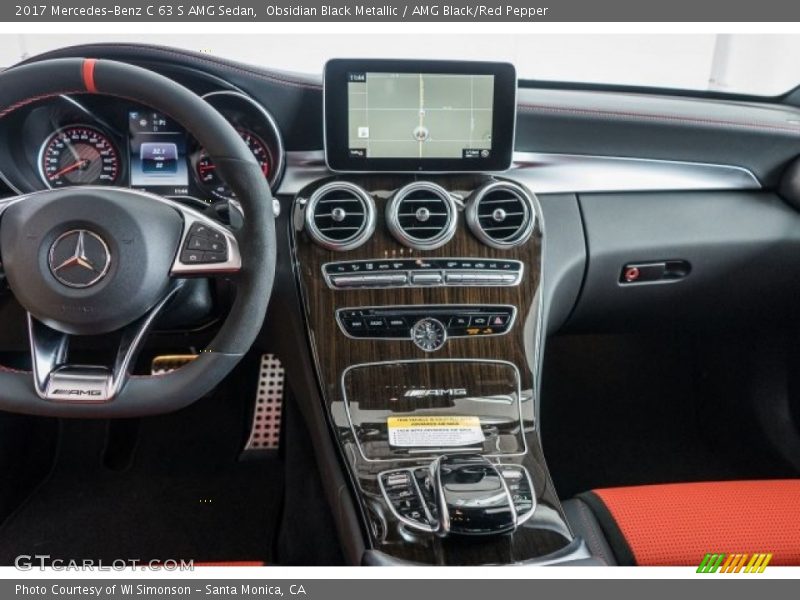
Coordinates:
[429,382]
[421,295]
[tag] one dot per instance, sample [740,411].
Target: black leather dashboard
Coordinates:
[759,136]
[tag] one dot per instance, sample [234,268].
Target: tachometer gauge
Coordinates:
[206,170]
[79,155]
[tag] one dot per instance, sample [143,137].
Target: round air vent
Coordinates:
[422,215]
[340,216]
[501,214]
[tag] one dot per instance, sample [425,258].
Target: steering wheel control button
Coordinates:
[79,258]
[191,257]
[204,245]
[215,257]
[200,229]
[206,249]
[197,242]
[203,231]
[429,334]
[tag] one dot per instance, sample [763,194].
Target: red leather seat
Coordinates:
[678,524]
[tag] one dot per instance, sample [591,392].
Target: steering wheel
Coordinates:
[107,260]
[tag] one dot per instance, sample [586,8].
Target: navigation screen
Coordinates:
[157,153]
[420,115]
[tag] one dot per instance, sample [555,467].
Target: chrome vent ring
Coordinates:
[340,216]
[501,214]
[422,215]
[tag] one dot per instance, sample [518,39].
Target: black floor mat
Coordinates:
[635,409]
[185,494]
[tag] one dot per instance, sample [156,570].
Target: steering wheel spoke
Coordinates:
[56,379]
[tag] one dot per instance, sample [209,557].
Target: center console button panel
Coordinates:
[399,322]
[409,496]
[460,495]
[422,272]
[520,486]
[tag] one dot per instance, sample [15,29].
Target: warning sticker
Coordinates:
[434,432]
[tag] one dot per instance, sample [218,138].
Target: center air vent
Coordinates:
[422,215]
[501,214]
[340,216]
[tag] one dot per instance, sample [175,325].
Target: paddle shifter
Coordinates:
[460,494]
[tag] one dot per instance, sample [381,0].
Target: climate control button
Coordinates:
[397,322]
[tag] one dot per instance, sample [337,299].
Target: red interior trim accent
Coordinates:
[88,75]
[677,524]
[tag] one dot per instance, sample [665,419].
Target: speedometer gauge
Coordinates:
[206,170]
[79,155]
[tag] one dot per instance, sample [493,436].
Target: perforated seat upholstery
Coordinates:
[677,524]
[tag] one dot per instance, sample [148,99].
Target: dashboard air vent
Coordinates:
[422,215]
[340,216]
[501,214]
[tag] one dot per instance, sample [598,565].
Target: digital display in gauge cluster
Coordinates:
[158,153]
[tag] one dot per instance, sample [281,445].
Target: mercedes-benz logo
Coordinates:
[79,258]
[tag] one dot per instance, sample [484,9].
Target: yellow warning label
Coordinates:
[434,431]
[435,421]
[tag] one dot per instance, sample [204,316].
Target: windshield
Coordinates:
[733,63]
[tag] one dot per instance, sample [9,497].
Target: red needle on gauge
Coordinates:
[76,165]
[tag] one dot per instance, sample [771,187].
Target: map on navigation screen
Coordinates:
[412,115]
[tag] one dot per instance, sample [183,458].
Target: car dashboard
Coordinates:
[413,303]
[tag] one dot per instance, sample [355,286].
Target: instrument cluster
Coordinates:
[104,141]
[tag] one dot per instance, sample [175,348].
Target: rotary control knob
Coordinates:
[429,334]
